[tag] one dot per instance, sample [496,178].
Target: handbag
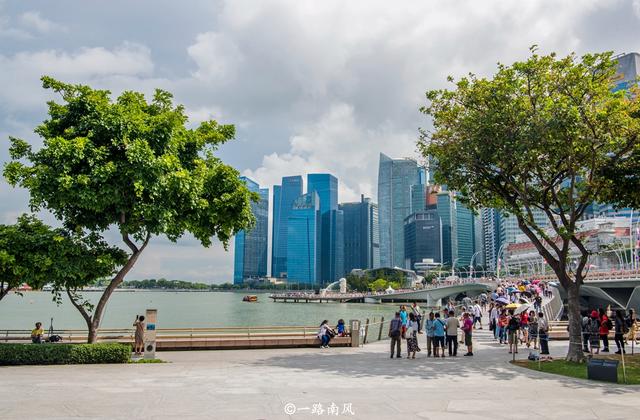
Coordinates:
[409,332]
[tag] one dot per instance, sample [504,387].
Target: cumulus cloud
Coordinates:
[34,21]
[85,65]
[311,86]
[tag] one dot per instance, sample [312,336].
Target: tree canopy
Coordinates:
[133,166]
[536,136]
[32,252]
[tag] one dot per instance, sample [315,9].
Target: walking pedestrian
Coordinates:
[452,334]
[438,334]
[533,330]
[594,332]
[621,330]
[605,326]
[586,321]
[404,318]
[477,315]
[502,326]
[429,330]
[513,327]
[543,333]
[412,338]
[395,333]
[418,314]
[467,327]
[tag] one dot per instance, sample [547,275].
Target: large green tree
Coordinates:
[536,136]
[32,252]
[131,166]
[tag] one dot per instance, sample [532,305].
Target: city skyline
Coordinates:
[334,102]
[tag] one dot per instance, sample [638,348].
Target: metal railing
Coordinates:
[123,334]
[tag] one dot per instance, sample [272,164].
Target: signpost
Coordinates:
[150,334]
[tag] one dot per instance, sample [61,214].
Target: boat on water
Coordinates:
[250,298]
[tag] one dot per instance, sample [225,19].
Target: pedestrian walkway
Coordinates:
[258,384]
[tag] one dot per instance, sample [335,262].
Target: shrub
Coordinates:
[63,354]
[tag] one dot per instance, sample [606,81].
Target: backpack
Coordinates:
[609,324]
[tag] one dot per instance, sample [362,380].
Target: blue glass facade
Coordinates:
[251,247]
[361,237]
[421,237]
[395,179]
[283,199]
[303,238]
[331,243]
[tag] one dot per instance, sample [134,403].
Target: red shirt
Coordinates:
[603,325]
[467,326]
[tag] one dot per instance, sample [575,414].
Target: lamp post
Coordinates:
[473,257]
[453,267]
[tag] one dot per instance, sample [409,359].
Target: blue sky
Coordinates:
[311,86]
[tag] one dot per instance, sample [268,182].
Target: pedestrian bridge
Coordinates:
[618,288]
[433,295]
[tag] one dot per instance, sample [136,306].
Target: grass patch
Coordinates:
[142,361]
[579,370]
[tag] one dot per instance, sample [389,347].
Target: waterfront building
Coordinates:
[361,235]
[395,179]
[332,226]
[303,240]
[251,246]
[283,197]
[607,239]
[628,71]
[422,238]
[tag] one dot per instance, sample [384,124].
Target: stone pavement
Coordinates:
[258,384]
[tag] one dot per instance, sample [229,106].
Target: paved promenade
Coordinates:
[258,384]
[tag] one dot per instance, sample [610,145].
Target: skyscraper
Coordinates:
[332,243]
[303,240]
[361,246]
[251,247]
[283,198]
[421,237]
[447,213]
[491,237]
[395,179]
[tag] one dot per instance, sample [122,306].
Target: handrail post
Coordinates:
[366,331]
[381,325]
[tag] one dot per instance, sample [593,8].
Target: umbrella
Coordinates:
[522,308]
[502,300]
[511,289]
[512,306]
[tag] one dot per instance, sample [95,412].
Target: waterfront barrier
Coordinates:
[199,338]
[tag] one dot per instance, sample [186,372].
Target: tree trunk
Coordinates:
[92,335]
[575,353]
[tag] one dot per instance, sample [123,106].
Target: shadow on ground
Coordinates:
[378,365]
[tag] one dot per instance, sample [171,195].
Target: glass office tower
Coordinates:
[283,197]
[251,247]
[332,243]
[303,240]
[361,247]
[421,237]
[395,179]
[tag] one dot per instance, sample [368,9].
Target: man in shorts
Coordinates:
[467,327]
[439,327]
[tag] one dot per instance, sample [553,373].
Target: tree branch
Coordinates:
[79,307]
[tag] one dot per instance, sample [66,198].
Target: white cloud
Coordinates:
[636,7]
[216,56]
[87,65]
[34,21]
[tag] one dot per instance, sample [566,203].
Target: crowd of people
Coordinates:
[597,324]
[441,331]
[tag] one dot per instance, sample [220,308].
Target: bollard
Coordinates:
[366,331]
[381,326]
[354,326]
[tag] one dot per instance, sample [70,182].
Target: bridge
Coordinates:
[433,295]
[618,288]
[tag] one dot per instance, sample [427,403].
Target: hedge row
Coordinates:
[63,354]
